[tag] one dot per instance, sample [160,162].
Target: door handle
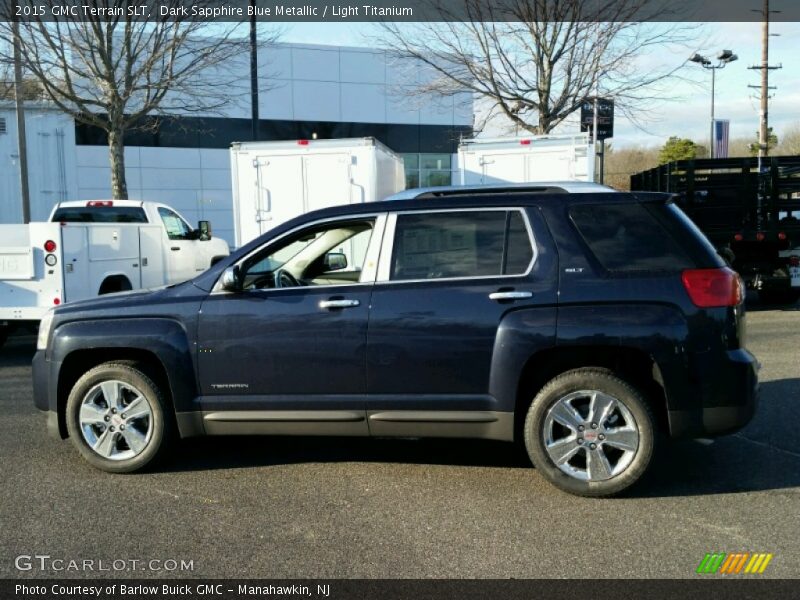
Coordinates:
[338,303]
[510,295]
[175,248]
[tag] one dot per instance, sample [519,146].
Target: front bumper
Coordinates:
[727,394]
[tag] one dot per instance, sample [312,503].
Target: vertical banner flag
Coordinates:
[721,134]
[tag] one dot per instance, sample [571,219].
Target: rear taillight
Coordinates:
[709,288]
[49,246]
[794,261]
[96,203]
[738,237]
[760,236]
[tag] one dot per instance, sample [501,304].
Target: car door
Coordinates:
[446,280]
[287,353]
[181,251]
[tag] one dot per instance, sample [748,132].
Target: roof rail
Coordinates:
[471,191]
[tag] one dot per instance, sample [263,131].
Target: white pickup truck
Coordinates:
[94,247]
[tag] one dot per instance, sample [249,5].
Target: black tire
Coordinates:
[4,331]
[162,425]
[587,379]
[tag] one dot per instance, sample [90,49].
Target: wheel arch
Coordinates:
[159,345]
[114,282]
[77,363]
[632,364]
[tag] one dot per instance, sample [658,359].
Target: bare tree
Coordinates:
[537,61]
[115,71]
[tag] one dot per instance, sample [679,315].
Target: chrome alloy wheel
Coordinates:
[116,420]
[590,435]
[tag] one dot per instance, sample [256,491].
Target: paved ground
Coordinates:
[266,507]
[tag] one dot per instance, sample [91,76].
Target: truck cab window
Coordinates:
[177,228]
[330,254]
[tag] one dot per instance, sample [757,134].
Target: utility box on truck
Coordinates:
[95,247]
[276,181]
[525,159]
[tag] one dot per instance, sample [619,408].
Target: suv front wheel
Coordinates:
[590,433]
[117,417]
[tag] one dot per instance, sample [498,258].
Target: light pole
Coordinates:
[723,58]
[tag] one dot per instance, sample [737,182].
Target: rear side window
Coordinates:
[100,214]
[626,237]
[460,244]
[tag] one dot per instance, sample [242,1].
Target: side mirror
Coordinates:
[204,227]
[230,280]
[335,261]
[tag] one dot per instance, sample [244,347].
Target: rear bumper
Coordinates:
[728,397]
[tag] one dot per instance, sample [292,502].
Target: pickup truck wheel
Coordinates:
[590,433]
[116,417]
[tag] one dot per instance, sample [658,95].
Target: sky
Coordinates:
[688,113]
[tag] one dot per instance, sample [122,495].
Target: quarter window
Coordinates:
[460,244]
[626,237]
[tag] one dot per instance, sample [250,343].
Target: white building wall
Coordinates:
[196,182]
[306,82]
[362,85]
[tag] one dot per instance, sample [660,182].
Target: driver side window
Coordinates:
[327,254]
[177,228]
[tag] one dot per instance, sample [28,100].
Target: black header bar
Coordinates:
[288,11]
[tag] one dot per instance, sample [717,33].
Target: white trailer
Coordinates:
[89,248]
[525,159]
[276,181]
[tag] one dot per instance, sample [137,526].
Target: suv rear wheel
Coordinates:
[117,418]
[590,433]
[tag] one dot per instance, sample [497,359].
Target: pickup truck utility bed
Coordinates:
[89,248]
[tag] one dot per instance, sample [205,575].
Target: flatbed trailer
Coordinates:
[751,216]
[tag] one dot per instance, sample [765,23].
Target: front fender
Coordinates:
[165,338]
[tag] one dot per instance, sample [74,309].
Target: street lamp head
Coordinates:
[725,55]
[698,58]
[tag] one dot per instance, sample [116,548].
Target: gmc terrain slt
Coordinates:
[587,325]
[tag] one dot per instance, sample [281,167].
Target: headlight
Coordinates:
[44,330]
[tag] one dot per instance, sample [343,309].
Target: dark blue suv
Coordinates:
[587,325]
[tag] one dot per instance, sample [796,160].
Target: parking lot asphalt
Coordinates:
[331,508]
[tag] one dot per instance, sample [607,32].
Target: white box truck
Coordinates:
[90,248]
[276,181]
[525,159]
